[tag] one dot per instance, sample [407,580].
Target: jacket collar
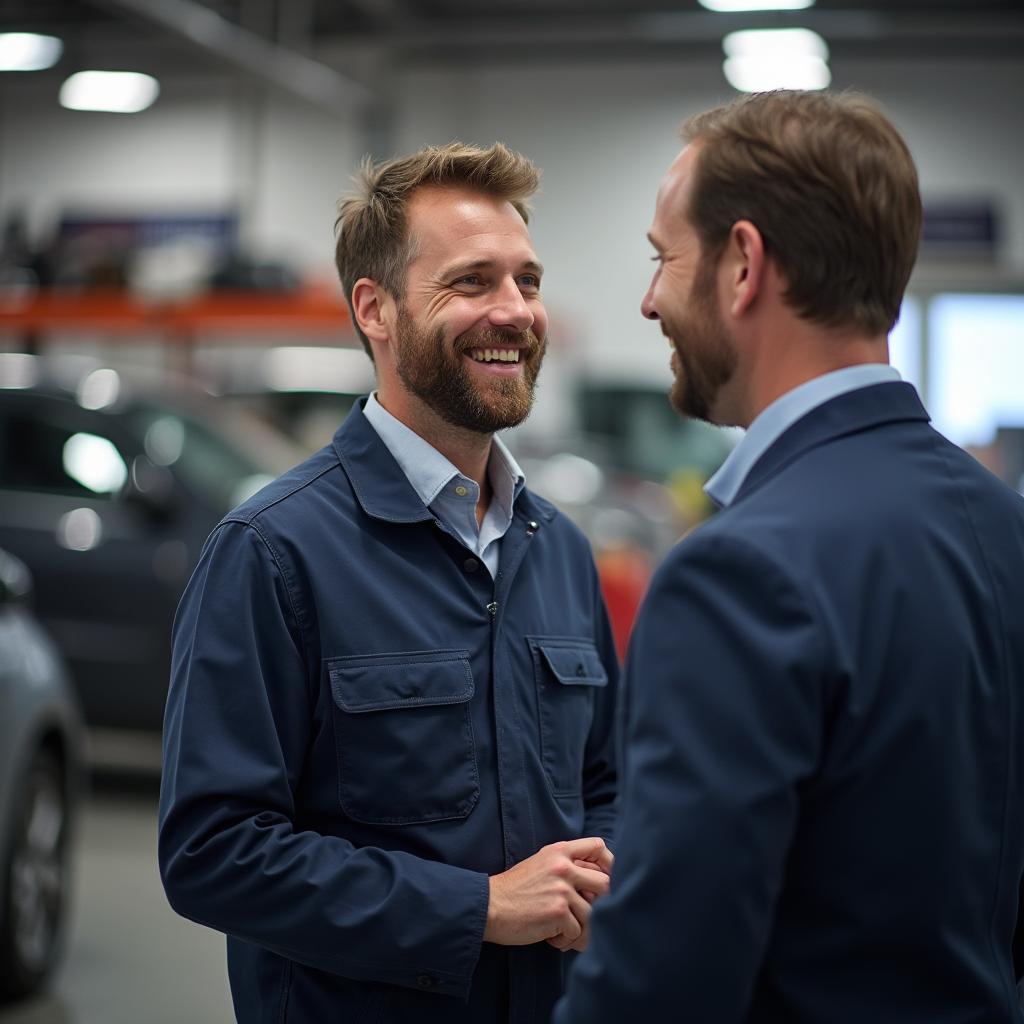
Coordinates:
[381,486]
[847,414]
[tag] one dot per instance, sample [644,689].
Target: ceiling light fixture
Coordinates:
[781,58]
[28,51]
[116,92]
[731,6]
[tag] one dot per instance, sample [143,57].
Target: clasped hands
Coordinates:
[548,896]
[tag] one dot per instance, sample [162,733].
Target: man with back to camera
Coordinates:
[822,814]
[389,770]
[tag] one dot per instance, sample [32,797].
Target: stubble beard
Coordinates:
[704,349]
[435,372]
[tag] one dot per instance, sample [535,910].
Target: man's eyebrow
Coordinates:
[467,268]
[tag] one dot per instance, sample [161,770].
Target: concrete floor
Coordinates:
[130,958]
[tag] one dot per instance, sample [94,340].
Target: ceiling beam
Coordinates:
[280,66]
[687,27]
[383,11]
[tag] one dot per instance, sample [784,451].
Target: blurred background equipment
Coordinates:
[109,489]
[40,786]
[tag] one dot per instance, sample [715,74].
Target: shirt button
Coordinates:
[425,981]
[461,491]
[471,565]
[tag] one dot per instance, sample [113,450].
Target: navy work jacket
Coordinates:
[362,726]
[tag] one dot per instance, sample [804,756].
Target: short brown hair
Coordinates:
[832,188]
[371,229]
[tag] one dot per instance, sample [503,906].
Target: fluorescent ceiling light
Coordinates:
[784,58]
[756,74]
[27,51]
[729,6]
[775,43]
[119,92]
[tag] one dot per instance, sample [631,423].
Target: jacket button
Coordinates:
[425,981]
[532,527]
[580,670]
[471,565]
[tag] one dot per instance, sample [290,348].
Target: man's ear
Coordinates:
[371,306]
[744,263]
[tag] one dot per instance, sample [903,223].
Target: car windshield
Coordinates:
[227,461]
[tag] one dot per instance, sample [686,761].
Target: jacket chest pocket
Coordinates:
[568,673]
[404,736]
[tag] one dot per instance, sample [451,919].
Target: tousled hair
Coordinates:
[372,236]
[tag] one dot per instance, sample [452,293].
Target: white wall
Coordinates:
[205,146]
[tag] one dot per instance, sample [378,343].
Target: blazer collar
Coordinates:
[846,414]
[381,486]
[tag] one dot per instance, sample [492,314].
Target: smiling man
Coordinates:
[389,771]
[823,810]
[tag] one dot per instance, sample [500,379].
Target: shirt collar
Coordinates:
[428,470]
[777,418]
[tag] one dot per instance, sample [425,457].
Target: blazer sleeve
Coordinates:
[601,754]
[724,724]
[236,735]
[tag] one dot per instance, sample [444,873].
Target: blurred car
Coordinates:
[109,485]
[40,772]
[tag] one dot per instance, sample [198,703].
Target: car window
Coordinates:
[208,462]
[50,454]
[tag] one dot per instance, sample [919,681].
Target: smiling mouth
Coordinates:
[494,355]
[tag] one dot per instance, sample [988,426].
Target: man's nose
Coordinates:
[647,305]
[511,310]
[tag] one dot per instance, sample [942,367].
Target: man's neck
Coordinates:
[784,368]
[468,451]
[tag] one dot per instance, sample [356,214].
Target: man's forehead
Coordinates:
[673,193]
[451,226]
[437,211]
[678,176]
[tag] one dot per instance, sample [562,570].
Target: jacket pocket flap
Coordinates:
[574,664]
[408,680]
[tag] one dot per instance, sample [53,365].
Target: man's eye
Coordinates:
[467,279]
[529,280]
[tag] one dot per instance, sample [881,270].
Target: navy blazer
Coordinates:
[362,726]
[823,796]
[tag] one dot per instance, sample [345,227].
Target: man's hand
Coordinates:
[548,896]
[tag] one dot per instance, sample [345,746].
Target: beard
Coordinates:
[435,371]
[706,354]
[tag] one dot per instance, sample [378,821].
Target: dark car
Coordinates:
[40,769]
[109,485]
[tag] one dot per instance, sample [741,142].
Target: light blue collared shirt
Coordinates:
[778,417]
[451,496]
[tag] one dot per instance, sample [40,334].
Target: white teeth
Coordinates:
[490,355]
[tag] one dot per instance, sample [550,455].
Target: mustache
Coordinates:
[526,341]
